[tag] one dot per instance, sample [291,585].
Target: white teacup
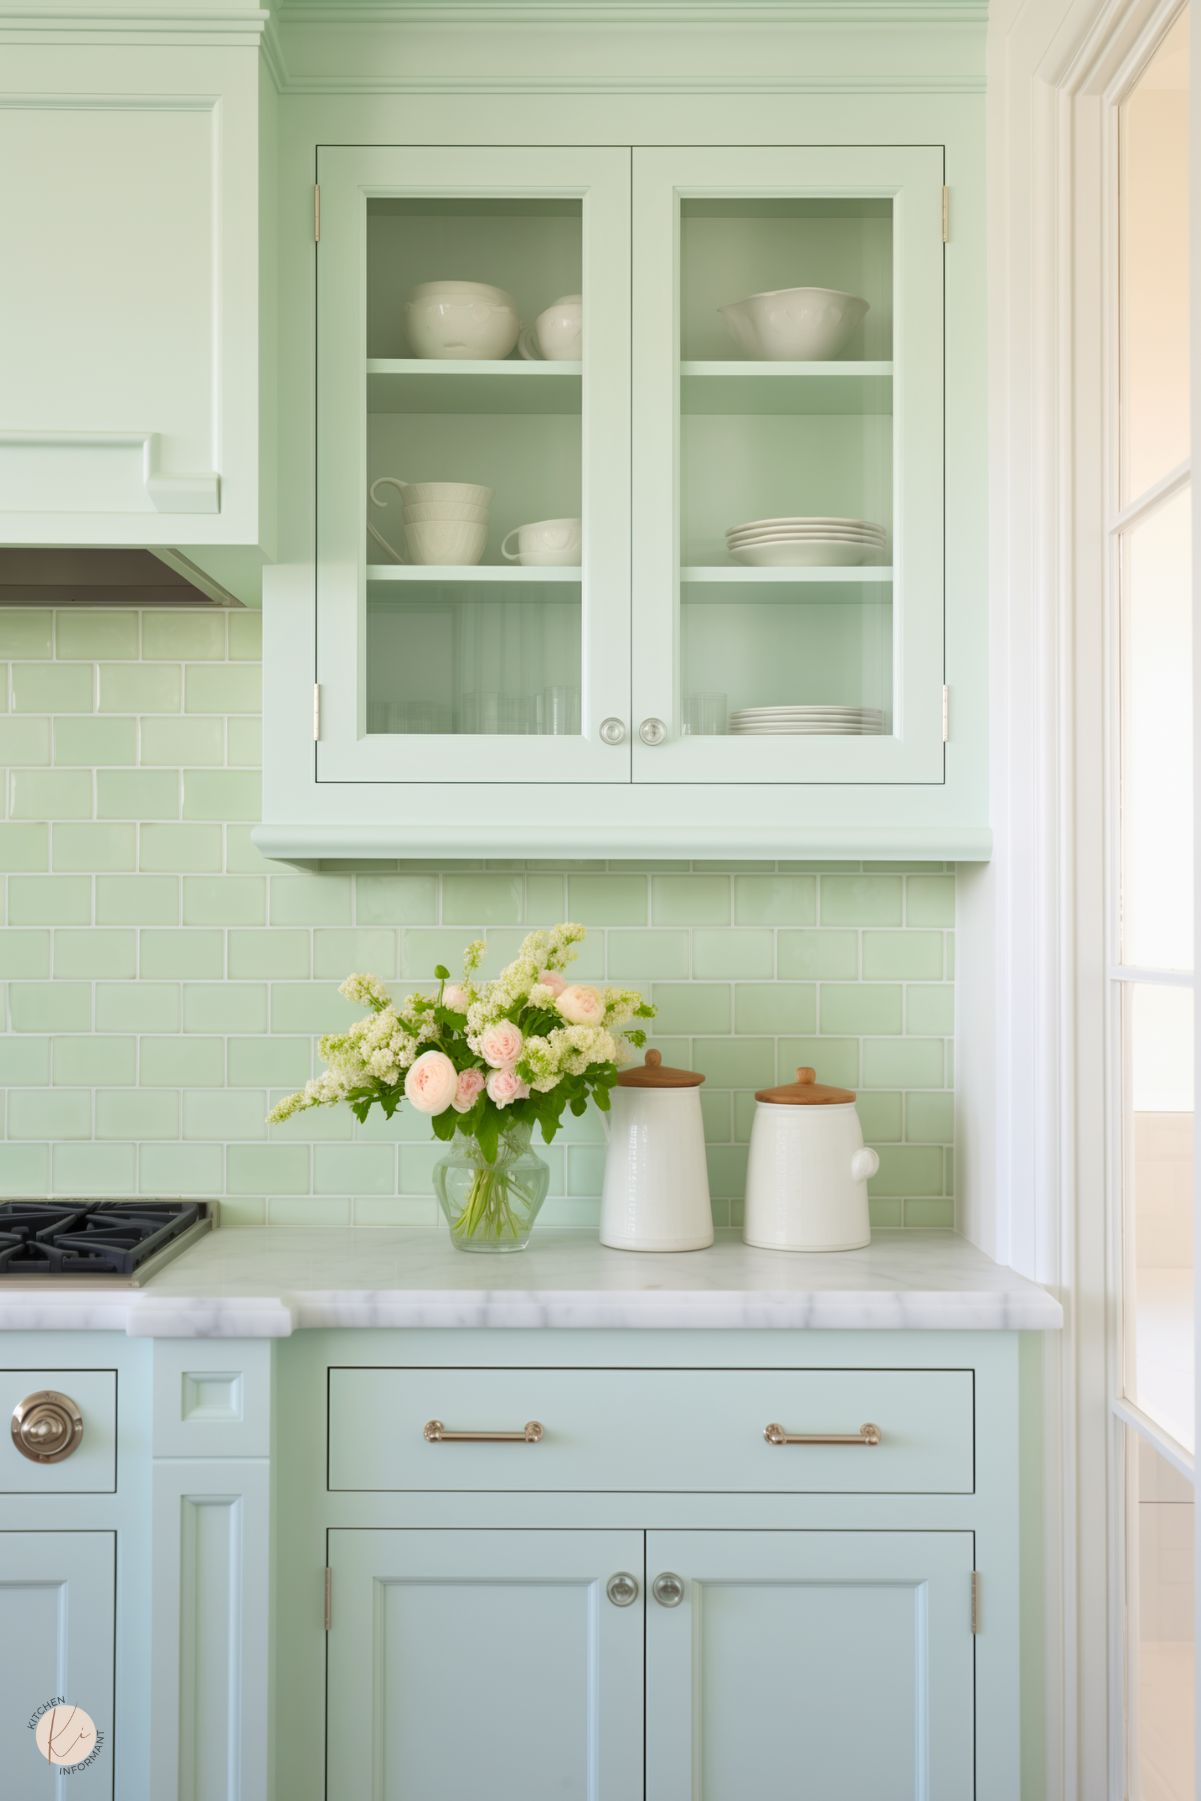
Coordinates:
[544,543]
[559,331]
[445,541]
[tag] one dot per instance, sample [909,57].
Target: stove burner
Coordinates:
[82,1238]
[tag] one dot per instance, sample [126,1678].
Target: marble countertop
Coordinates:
[270,1282]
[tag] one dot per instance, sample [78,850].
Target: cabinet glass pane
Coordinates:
[1153,256]
[1157,1204]
[473,592]
[1157,734]
[786,466]
[1161,1645]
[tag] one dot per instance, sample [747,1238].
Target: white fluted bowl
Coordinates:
[466,319]
[802,325]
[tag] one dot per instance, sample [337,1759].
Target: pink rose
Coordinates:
[471,1083]
[432,1082]
[501,1044]
[550,978]
[581,1006]
[505,1085]
[455,997]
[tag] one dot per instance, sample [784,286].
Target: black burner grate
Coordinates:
[102,1238]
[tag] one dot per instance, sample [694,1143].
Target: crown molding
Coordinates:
[558,85]
[226,23]
[449,13]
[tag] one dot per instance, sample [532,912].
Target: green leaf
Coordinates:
[444,1124]
[442,973]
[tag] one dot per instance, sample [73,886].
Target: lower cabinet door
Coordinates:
[56,1664]
[836,1665]
[465,1664]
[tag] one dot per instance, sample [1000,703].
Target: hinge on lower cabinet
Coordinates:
[946,215]
[946,715]
[329,1597]
[317,711]
[317,213]
[975,1600]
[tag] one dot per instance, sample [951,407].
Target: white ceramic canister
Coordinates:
[656,1192]
[807,1175]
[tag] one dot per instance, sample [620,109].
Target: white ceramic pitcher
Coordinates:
[656,1192]
[808,1171]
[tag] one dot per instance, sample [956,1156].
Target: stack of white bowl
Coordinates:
[468,321]
[444,522]
[795,543]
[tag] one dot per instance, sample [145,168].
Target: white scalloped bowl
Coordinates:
[794,325]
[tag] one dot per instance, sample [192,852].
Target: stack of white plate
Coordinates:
[806,543]
[808,722]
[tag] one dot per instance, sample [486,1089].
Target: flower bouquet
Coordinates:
[488,1061]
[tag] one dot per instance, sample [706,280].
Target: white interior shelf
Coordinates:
[431,385]
[435,573]
[771,387]
[742,573]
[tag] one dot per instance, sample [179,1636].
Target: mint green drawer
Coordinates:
[655,1430]
[89,1469]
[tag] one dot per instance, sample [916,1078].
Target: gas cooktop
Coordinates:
[125,1239]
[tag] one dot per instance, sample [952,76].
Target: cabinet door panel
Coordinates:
[836,1665]
[476,1663]
[56,1639]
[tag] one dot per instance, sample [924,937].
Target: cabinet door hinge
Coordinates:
[975,1601]
[317,213]
[946,215]
[946,715]
[329,1597]
[317,712]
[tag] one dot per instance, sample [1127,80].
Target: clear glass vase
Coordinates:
[491,1206]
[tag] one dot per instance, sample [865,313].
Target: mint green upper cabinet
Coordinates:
[439,659]
[819,659]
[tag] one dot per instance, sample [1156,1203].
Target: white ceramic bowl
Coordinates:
[545,543]
[429,512]
[465,319]
[797,553]
[804,325]
[559,331]
[467,494]
[445,541]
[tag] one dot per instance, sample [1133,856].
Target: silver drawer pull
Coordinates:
[435,1433]
[866,1435]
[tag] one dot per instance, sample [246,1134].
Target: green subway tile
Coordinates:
[137,794]
[880,1116]
[95,743]
[717,1115]
[24,1060]
[180,743]
[734,953]
[24,1168]
[182,1062]
[242,855]
[836,1060]
[268,1169]
[221,794]
[503,946]
[137,1115]
[93,1169]
[727,1171]
[735,1062]
[312,900]
[585,1169]
[25,956]
[81,955]
[689,1007]
[259,955]
[180,1169]
[24,847]
[95,847]
[166,954]
[140,688]
[949,948]
[50,1006]
[775,1007]
[417,1167]
[930,1118]
[52,688]
[136,900]
[863,1007]
[885,1216]
[225,1007]
[375,1210]
[383,900]
[948,1181]
[930,900]
[545,904]
[930,1214]
[49,1113]
[309,1210]
[222,688]
[137,1007]
[930,1010]
[245,636]
[607,900]
[51,900]
[87,1062]
[228,900]
[24,741]
[181,635]
[26,632]
[90,633]
[636,955]
[326,1125]
[903,1063]
[51,794]
[861,900]
[690,900]
[336,954]
[677,1051]
[218,1114]
[903,956]
[354,1169]
[775,900]
[274,1062]
[745,1106]
[191,848]
[310,1007]
[244,738]
[482,900]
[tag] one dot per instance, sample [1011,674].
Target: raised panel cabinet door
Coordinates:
[788,465]
[56,1645]
[473,1663]
[834,1666]
[473,461]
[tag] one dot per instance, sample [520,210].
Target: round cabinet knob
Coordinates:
[652,731]
[622,1589]
[668,1589]
[612,730]
[47,1426]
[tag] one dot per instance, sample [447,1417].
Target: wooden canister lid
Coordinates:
[654,1073]
[806,1091]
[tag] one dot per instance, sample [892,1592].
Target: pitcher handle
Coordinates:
[510,556]
[386,481]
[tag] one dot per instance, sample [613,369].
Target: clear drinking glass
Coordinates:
[705,715]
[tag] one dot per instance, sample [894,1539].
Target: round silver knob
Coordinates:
[47,1426]
[652,731]
[622,1589]
[612,730]
[668,1589]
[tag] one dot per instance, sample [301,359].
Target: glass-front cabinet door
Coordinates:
[788,465]
[473,433]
